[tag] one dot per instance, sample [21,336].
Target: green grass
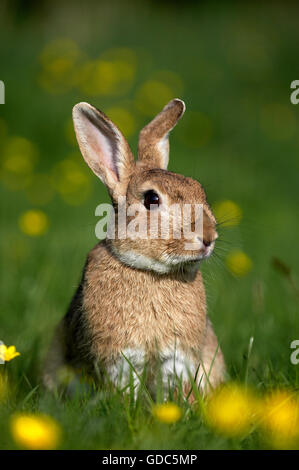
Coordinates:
[235,65]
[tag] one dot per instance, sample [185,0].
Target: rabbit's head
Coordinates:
[163,221]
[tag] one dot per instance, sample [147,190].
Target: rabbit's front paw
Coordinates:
[176,368]
[131,363]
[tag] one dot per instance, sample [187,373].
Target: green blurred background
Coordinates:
[232,63]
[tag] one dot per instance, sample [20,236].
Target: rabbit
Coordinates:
[141,302]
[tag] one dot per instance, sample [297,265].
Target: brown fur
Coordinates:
[119,306]
[156,307]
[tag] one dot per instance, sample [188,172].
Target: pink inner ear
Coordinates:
[99,151]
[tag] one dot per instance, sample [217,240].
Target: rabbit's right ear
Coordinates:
[153,146]
[103,147]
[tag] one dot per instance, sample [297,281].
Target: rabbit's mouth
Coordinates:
[194,261]
[204,253]
[190,260]
[164,263]
[197,259]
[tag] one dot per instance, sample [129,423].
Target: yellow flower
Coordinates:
[60,60]
[238,263]
[123,119]
[34,223]
[35,432]
[280,418]
[19,154]
[157,91]
[231,410]
[72,181]
[112,74]
[228,213]
[18,161]
[152,96]
[8,353]
[167,413]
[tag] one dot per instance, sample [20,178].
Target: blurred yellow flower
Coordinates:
[60,60]
[59,48]
[231,410]
[34,223]
[112,73]
[71,180]
[18,160]
[123,119]
[280,418]
[35,432]
[8,353]
[152,96]
[20,146]
[227,213]
[167,412]
[163,86]
[238,263]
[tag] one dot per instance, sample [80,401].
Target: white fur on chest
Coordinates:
[172,363]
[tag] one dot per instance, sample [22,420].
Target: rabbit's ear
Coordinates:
[103,147]
[153,146]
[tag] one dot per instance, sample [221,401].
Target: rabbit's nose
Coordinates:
[205,241]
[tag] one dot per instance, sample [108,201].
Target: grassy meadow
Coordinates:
[233,66]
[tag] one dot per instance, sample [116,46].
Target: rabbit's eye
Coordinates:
[150,198]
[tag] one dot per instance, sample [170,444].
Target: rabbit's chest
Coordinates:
[136,312]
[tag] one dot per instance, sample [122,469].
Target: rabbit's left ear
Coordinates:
[153,146]
[103,147]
